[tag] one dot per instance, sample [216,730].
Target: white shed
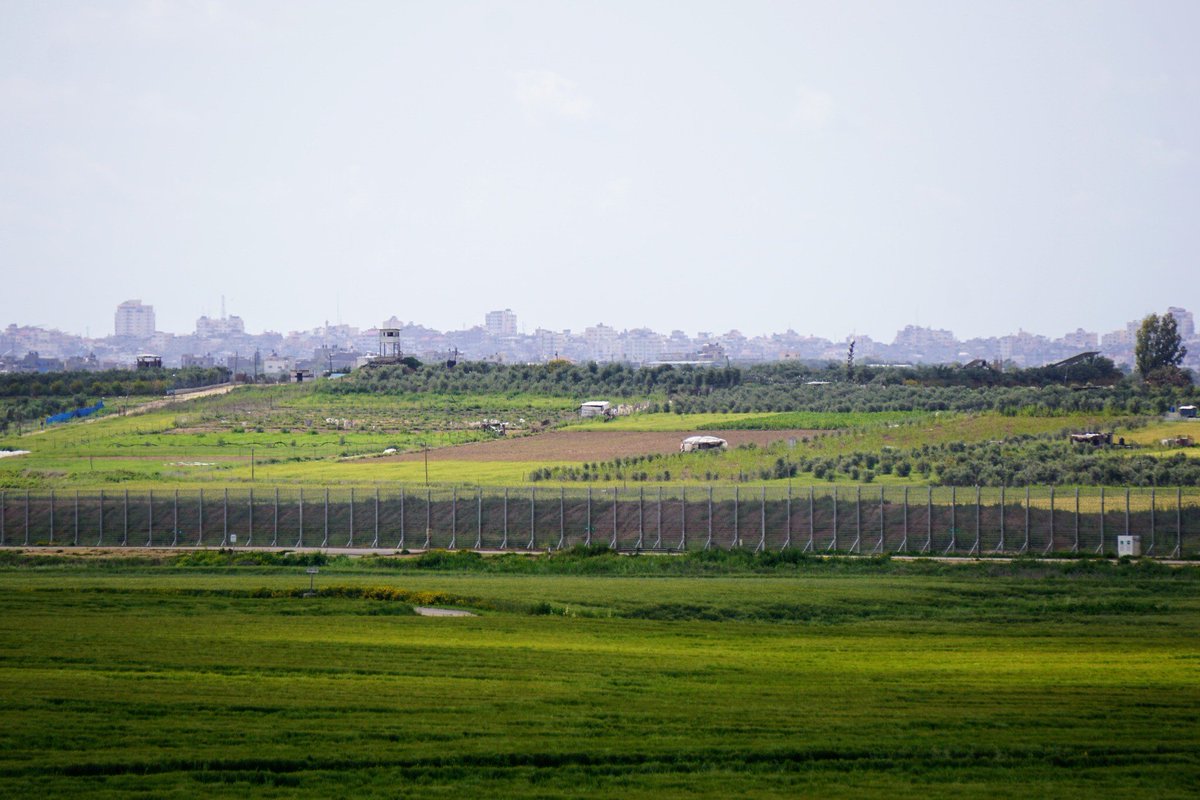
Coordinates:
[595,408]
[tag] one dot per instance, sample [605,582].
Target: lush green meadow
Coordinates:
[590,675]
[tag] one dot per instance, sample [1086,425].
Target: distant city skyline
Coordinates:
[828,166]
[518,322]
[498,337]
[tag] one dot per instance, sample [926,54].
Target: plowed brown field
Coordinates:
[588,445]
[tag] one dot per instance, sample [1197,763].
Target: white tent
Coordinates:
[702,443]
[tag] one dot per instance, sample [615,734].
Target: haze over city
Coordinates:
[822,167]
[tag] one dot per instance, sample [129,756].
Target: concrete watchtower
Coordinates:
[389,343]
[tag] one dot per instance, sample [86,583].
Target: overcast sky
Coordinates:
[827,167]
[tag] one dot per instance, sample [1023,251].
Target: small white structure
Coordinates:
[1129,545]
[596,408]
[1187,412]
[693,443]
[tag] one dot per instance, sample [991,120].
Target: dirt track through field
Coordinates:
[589,445]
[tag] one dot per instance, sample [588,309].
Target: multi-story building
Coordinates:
[209,328]
[134,319]
[601,342]
[925,343]
[549,344]
[1185,323]
[641,345]
[1081,340]
[501,323]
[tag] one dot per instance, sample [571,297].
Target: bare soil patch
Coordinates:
[589,445]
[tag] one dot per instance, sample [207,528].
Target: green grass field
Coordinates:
[708,676]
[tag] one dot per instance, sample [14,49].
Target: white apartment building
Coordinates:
[501,323]
[134,319]
[601,342]
[642,345]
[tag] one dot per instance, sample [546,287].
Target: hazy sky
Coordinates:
[826,167]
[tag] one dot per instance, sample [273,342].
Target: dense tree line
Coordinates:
[28,396]
[788,387]
[1022,461]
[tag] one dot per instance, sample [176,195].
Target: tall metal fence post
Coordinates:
[708,543]
[150,520]
[614,530]
[762,522]
[641,515]
[174,518]
[350,541]
[453,517]
[400,544]
[1126,510]
[1003,518]
[1153,532]
[199,517]
[787,541]
[953,520]
[100,540]
[904,541]
[857,546]
[375,540]
[124,518]
[479,518]
[812,522]
[275,520]
[225,520]
[562,518]
[737,530]
[504,541]
[250,519]
[658,533]
[300,526]
[587,528]
[325,534]
[51,516]
[27,518]
[1178,553]
[683,518]
[1075,545]
[1100,549]
[833,543]
[975,548]
[3,506]
[532,518]
[882,521]
[928,548]
[76,542]
[1050,543]
[1025,547]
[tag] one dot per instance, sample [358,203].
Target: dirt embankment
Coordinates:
[589,445]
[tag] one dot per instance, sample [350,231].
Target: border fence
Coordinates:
[819,519]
